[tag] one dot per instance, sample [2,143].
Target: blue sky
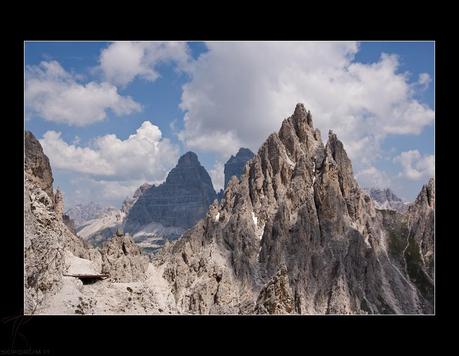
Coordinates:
[121,86]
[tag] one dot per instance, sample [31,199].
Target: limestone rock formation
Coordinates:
[180,201]
[46,237]
[236,164]
[295,234]
[296,205]
[122,259]
[56,259]
[69,223]
[130,201]
[275,297]
[36,164]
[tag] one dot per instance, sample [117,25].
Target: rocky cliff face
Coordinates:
[129,202]
[46,237]
[419,252]
[54,257]
[180,201]
[236,164]
[122,260]
[295,234]
[386,199]
[36,164]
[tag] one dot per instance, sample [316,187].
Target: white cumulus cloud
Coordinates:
[424,80]
[58,96]
[122,62]
[143,156]
[416,166]
[240,92]
[372,177]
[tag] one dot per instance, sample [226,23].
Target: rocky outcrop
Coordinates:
[46,237]
[56,260]
[236,164]
[122,259]
[275,297]
[296,205]
[419,252]
[421,224]
[69,223]
[36,164]
[180,201]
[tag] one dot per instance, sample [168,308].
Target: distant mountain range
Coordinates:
[155,214]
[386,199]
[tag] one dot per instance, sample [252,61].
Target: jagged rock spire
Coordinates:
[300,113]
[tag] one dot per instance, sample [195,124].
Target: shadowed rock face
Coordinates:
[297,205]
[235,165]
[36,163]
[420,251]
[180,201]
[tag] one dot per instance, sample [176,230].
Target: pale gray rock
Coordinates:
[36,164]
[54,258]
[122,259]
[297,205]
[275,297]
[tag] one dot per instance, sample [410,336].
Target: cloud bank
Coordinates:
[416,166]
[122,62]
[58,96]
[240,92]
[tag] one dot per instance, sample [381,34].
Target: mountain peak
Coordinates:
[180,201]
[189,158]
[386,199]
[300,113]
[243,152]
[427,194]
[236,164]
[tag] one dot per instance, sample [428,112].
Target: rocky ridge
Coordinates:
[296,205]
[55,257]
